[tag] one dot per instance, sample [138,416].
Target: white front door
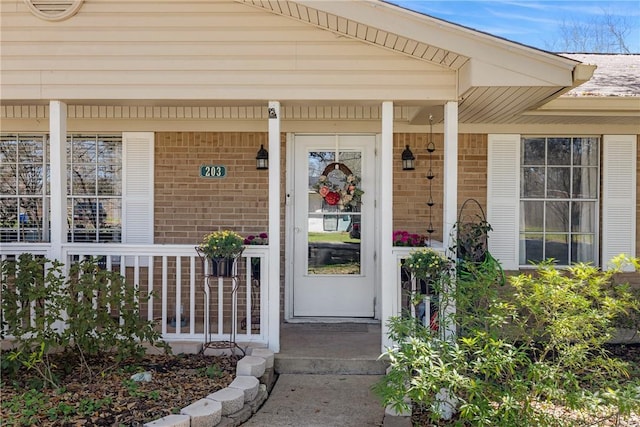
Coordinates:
[333,271]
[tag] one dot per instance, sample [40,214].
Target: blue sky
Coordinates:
[535,23]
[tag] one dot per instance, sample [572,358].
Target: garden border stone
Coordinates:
[237,402]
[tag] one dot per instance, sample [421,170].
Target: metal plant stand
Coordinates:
[256,271]
[221,270]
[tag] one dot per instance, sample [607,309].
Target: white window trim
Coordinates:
[617,197]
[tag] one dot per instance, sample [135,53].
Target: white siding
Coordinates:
[220,50]
[503,194]
[137,197]
[618,196]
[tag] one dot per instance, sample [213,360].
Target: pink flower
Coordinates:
[324,191]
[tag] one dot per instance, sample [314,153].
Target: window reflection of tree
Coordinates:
[22,186]
[95,173]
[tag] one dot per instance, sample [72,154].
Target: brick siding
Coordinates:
[187,206]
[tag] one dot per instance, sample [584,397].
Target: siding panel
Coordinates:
[220,49]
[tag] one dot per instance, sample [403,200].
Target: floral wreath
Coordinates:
[341,194]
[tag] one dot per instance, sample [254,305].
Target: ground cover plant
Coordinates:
[539,358]
[78,342]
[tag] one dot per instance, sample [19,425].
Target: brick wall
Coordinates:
[187,207]
[411,188]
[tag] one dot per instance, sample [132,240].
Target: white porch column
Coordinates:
[273,294]
[387,261]
[450,208]
[58,164]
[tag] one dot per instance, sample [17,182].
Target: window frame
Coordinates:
[73,198]
[546,200]
[42,229]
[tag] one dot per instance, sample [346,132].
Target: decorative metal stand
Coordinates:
[419,300]
[221,269]
[256,272]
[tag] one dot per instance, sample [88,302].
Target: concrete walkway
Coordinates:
[308,400]
[326,372]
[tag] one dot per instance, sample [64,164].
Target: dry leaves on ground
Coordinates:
[109,397]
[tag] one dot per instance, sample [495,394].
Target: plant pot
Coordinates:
[222,267]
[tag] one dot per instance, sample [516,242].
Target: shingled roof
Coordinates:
[616,75]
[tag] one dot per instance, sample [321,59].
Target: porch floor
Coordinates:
[329,348]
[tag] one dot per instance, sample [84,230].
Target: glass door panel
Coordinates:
[334,217]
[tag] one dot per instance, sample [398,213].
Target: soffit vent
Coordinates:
[54,10]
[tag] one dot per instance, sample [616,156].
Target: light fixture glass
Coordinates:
[408,159]
[262,158]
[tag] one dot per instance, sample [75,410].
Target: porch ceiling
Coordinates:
[615,111]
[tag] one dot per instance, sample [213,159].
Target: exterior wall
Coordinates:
[208,50]
[411,188]
[187,206]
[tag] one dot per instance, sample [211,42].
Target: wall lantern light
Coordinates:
[262,158]
[408,160]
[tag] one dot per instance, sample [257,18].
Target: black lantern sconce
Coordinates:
[408,160]
[262,158]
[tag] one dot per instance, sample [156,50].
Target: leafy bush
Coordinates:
[512,359]
[91,312]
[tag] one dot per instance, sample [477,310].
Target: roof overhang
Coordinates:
[497,79]
[618,110]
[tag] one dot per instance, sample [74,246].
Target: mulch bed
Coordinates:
[109,397]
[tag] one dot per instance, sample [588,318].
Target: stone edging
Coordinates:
[232,405]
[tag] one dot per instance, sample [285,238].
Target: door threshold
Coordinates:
[333,320]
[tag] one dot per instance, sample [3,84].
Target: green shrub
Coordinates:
[104,313]
[511,358]
[91,312]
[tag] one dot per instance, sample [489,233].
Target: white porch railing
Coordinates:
[175,278]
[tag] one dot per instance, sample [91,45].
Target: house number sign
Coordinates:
[213,171]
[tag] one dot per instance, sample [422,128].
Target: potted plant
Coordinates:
[222,248]
[404,238]
[427,263]
[260,239]
[429,267]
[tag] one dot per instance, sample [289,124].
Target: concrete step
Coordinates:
[288,364]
